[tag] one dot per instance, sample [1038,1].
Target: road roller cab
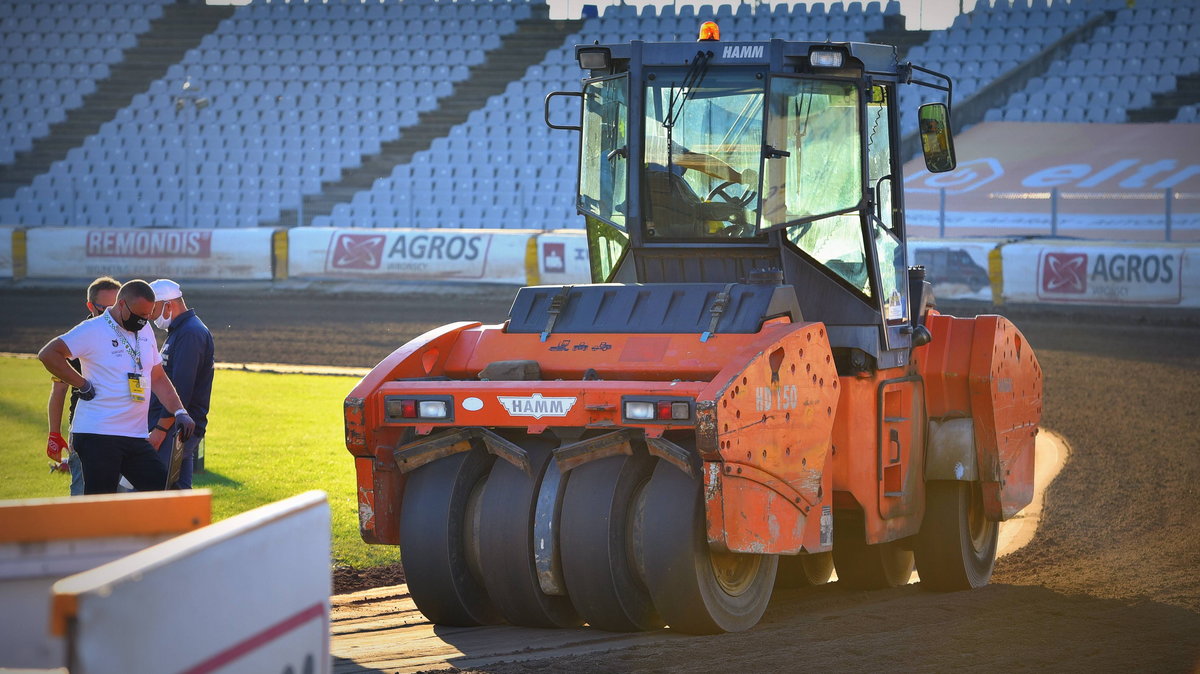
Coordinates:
[754,389]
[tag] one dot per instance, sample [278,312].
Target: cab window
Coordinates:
[604,163]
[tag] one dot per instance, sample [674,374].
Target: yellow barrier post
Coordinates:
[996,275]
[19,265]
[279,254]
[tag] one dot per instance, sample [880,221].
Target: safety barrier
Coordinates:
[562,258]
[1049,271]
[7,236]
[470,255]
[1084,272]
[216,254]
[247,594]
[43,540]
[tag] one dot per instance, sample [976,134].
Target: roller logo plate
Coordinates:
[536,406]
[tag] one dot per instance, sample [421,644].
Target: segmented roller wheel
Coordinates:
[956,548]
[507,545]
[867,567]
[598,567]
[696,590]
[438,521]
[796,571]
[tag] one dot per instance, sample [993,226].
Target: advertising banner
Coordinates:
[1100,273]
[76,252]
[563,258]
[957,268]
[475,255]
[6,252]
[1112,181]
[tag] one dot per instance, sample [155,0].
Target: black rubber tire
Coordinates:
[506,544]
[679,565]
[796,571]
[597,564]
[433,522]
[867,567]
[956,548]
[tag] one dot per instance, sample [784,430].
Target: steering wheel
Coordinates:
[739,226]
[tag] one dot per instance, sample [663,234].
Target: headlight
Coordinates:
[825,58]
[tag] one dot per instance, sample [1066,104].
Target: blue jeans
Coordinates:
[76,467]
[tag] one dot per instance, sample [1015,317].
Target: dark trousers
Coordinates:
[107,457]
[189,458]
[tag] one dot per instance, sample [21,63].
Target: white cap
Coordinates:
[165,289]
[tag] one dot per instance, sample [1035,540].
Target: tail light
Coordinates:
[431,408]
[657,409]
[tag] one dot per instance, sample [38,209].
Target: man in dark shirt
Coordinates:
[187,357]
[101,294]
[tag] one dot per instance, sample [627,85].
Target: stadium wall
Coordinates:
[1039,271]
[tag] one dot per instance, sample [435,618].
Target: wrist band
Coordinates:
[158,427]
[181,410]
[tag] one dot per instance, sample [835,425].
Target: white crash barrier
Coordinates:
[6,251]
[1082,272]
[216,254]
[471,255]
[562,258]
[957,268]
[247,594]
[44,540]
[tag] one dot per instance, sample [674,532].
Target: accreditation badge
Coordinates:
[136,392]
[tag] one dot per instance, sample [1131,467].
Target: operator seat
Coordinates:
[673,207]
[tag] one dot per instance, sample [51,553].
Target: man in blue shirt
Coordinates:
[187,358]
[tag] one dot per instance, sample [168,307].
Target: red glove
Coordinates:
[55,446]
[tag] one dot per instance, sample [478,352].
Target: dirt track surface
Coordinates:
[1110,582]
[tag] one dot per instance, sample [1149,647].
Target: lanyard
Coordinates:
[134,354]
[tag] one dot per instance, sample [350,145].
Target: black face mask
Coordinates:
[134,322]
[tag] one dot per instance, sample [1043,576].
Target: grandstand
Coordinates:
[415,113]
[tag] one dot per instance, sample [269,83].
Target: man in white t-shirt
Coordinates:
[120,367]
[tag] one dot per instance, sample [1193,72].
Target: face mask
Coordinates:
[164,321]
[134,322]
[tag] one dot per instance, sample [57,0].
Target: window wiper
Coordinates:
[692,80]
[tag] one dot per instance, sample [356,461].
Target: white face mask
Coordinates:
[163,322]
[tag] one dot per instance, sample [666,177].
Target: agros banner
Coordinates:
[1095,274]
[409,254]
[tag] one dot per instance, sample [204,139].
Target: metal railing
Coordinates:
[1151,214]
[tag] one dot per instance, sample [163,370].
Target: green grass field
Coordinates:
[269,436]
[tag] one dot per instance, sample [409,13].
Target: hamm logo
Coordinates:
[746,51]
[536,406]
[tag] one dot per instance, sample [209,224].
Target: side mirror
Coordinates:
[936,142]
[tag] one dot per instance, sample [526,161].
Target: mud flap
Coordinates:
[739,498]
[982,368]
[1006,403]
